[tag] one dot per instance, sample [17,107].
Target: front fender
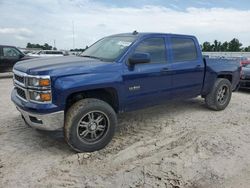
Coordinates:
[63,87]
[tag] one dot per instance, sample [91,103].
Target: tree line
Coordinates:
[43,47]
[232,46]
[46,46]
[79,49]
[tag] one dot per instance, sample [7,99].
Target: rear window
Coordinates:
[184,49]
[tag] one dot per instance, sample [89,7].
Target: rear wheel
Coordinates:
[220,96]
[90,125]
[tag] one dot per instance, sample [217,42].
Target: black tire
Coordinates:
[215,99]
[88,108]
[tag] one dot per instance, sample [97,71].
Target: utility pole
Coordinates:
[54,44]
[73,30]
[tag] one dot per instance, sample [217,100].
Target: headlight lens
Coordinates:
[40,96]
[38,82]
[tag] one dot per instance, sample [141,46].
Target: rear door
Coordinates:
[147,84]
[187,67]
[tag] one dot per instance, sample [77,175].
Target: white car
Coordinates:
[47,53]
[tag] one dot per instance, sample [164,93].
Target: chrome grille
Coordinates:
[19,78]
[21,93]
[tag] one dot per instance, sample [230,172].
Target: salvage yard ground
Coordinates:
[180,144]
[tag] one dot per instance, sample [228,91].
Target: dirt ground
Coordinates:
[180,144]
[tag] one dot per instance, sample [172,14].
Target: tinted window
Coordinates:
[155,47]
[183,49]
[10,52]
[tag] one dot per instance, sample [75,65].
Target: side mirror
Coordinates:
[138,58]
[21,56]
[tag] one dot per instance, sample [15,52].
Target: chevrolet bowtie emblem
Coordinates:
[133,88]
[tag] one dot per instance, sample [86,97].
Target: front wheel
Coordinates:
[220,96]
[89,125]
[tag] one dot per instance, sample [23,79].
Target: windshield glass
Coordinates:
[109,48]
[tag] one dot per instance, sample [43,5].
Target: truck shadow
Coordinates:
[133,121]
[247,91]
[168,108]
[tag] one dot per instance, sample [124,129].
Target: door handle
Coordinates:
[198,66]
[165,70]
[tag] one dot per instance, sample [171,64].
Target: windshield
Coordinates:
[109,48]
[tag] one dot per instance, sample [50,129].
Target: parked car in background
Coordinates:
[244,61]
[9,55]
[48,53]
[245,77]
[119,73]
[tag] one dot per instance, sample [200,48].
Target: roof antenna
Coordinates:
[135,32]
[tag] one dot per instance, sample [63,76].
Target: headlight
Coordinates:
[39,96]
[38,82]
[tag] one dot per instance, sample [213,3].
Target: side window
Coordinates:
[10,52]
[184,49]
[155,47]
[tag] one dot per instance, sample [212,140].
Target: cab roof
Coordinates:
[139,34]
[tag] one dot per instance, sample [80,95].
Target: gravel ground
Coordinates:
[179,144]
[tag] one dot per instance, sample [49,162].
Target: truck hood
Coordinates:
[69,65]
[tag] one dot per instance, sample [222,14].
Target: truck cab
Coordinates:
[119,73]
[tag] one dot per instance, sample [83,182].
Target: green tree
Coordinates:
[29,45]
[215,46]
[44,47]
[234,45]
[206,47]
[224,46]
[247,49]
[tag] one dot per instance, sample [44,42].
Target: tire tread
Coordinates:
[74,110]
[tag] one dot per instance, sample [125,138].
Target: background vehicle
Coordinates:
[47,53]
[119,73]
[245,77]
[9,55]
[244,62]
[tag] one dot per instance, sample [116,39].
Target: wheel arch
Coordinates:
[108,94]
[226,76]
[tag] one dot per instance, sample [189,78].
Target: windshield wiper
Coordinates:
[93,57]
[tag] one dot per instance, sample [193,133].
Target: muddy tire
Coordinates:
[89,125]
[220,95]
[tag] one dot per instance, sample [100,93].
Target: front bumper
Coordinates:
[245,84]
[50,122]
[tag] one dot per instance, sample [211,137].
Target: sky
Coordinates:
[46,21]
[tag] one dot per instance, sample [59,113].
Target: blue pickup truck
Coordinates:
[119,73]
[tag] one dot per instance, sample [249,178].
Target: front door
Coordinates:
[147,84]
